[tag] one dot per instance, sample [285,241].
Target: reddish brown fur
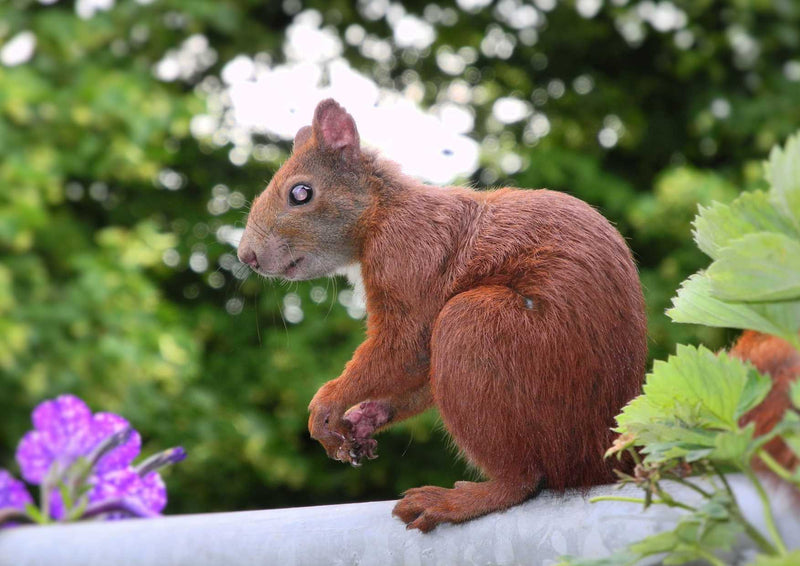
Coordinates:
[517,313]
[781,361]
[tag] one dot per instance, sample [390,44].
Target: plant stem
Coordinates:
[690,485]
[755,535]
[711,558]
[44,498]
[617,498]
[670,503]
[723,479]
[775,467]
[769,518]
[751,531]
[667,499]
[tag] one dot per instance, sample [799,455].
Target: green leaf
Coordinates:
[695,388]
[757,267]
[789,430]
[734,447]
[717,226]
[621,558]
[794,394]
[79,508]
[783,174]
[696,536]
[790,559]
[664,451]
[66,496]
[35,514]
[656,544]
[694,304]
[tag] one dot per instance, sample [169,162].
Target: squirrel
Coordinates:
[518,314]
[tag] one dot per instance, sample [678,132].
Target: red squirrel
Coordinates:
[518,314]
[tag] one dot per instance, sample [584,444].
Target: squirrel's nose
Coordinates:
[247,255]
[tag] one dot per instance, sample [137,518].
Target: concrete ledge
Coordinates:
[537,532]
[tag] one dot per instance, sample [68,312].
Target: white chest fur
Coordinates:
[353,274]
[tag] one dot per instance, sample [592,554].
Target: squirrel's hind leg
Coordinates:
[486,393]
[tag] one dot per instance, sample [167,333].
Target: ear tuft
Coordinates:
[334,128]
[301,137]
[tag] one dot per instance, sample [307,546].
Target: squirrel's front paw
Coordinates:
[364,419]
[326,425]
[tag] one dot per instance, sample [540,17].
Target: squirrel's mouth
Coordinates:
[291,268]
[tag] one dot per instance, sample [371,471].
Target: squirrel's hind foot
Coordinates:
[426,507]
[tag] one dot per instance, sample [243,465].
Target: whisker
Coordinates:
[258,326]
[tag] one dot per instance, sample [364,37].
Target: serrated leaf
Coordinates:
[783,174]
[755,390]
[657,452]
[688,400]
[694,304]
[757,267]
[716,226]
[694,388]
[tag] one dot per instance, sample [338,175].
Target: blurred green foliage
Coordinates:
[120,289]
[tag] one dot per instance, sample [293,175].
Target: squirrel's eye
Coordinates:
[300,194]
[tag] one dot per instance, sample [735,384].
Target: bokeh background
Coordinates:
[134,133]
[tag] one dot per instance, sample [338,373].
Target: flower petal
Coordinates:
[57,509]
[104,425]
[116,484]
[153,493]
[149,492]
[64,423]
[34,456]
[13,492]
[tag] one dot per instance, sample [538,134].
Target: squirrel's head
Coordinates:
[305,223]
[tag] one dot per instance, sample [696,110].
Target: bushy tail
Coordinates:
[773,356]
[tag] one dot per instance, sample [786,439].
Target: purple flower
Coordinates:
[104,481]
[65,429]
[118,494]
[12,492]
[13,498]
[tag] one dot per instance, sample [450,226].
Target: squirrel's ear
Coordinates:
[302,136]
[334,128]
